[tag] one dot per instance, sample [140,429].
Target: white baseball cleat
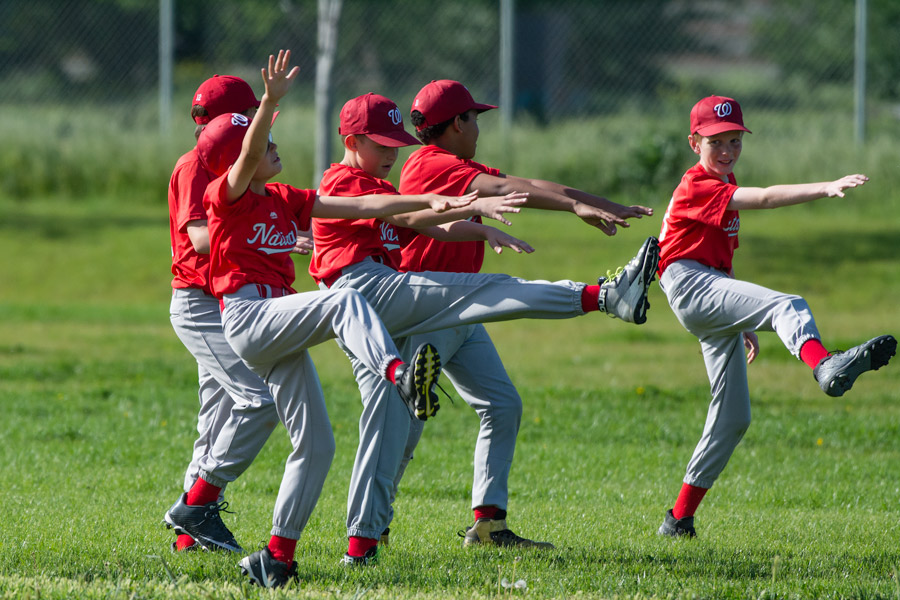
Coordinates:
[623,294]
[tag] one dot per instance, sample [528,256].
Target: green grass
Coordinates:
[99,407]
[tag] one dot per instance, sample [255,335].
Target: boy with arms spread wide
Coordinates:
[365,255]
[697,242]
[446,119]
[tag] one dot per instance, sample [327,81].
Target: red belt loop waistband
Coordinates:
[329,281]
[267,291]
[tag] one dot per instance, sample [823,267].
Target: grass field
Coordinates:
[99,406]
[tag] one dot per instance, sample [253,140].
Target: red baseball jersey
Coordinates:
[252,239]
[433,170]
[186,188]
[697,225]
[343,242]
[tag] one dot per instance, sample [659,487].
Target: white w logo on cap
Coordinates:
[239,120]
[396,117]
[723,109]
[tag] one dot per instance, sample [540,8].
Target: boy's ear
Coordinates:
[350,142]
[694,141]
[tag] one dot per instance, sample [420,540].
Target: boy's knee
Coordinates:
[509,410]
[738,425]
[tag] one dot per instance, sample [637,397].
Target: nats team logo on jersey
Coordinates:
[271,241]
[389,237]
[733,226]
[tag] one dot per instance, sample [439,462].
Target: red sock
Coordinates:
[688,500]
[202,493]
[282,549]
[812,351]
[392,370]
[358,546]
[485,512]
[590,297]
[183,541]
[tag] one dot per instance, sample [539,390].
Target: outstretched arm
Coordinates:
[489,207]
[749,198]
[547,195]
[277,80]
[467,231]
[378,206]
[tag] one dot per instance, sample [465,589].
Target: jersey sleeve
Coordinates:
[301,203]
[188,185]
[703,199]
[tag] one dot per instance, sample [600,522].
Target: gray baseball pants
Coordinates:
[718,309]
[472,364]
[272,335]
[451,306]
[237,412]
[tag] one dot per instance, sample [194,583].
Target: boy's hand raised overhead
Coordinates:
[276,78]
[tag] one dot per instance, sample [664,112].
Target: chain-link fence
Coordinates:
[570,56]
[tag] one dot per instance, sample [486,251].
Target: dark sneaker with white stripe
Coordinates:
[837,373]
[417,381]
[265,571]
[673,527]
[494,532]
[367,559]
[623,294]
[202,523]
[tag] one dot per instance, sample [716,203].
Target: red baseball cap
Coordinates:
[717,114]
[376,117]
[219,144]
[442,100]
[222,94]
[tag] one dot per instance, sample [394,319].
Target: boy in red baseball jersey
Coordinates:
[230,394]
[446,119]
[364,256]
[697,242]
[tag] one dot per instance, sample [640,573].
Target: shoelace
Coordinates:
[611,275]
[214,510]
[445,392]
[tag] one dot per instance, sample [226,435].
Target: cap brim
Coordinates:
[393,139]
[483,107]
[718,128]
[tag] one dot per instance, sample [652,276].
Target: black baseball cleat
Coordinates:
[494,532]
[265,571]
[837,373]
[417,381]
[672,527]
[367,559]
[623,294]
[202,523]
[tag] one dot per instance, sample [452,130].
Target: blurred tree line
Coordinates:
[572,56]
